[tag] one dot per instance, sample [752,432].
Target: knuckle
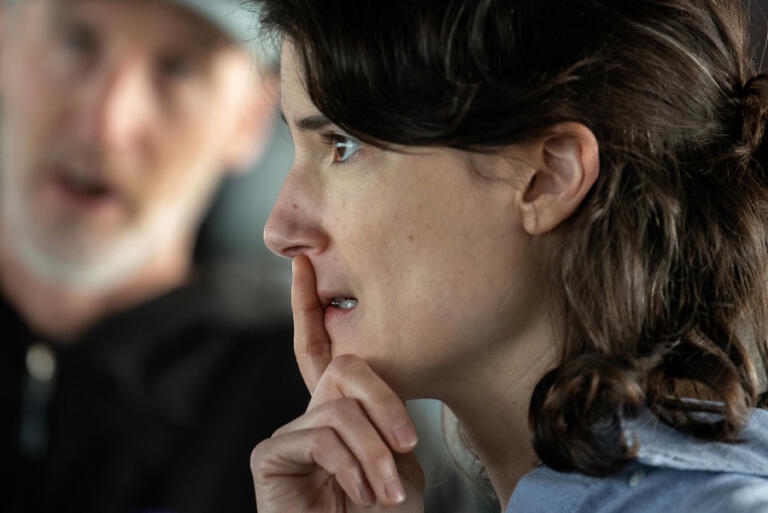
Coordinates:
[345,364]
[322,438]
[344,407]
[381,459]
[257,455]
[351,472]
[279,431]
[349,463]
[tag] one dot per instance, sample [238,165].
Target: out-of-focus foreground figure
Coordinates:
[131,378]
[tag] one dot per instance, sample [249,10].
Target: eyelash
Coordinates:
[335,141]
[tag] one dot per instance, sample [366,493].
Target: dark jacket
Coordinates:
[155,409]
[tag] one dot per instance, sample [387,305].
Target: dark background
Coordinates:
[759,22]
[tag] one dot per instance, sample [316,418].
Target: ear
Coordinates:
[254,126]
[566,163]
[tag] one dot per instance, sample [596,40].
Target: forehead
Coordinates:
[295,99]
[141,19]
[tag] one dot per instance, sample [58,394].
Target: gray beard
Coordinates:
[91,270]
[83,263]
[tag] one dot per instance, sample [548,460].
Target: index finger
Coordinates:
[350,376]
[311,342]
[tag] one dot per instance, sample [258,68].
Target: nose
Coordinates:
[294,226]
[116,108]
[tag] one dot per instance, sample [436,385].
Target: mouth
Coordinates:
[337,305]
[343,303]
[83,190]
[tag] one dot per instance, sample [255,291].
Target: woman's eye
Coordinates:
[343,147]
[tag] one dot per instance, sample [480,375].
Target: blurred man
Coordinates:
[131,379]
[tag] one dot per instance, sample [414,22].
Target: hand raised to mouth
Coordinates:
[311,342]
[352,449]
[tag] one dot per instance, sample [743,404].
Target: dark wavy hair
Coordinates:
[661,272]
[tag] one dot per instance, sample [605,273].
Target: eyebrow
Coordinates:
[310,123]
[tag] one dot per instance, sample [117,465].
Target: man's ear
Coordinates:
[566,163]
[254,126]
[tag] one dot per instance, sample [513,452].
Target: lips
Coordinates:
[82,190]
[82,185]
[344,303]
[337,299]
[337,304]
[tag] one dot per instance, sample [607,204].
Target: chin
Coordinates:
[90,275]
[81,261]
[396,374]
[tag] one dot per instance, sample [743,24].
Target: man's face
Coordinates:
[117,120]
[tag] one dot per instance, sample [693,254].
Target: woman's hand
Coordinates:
[351,450]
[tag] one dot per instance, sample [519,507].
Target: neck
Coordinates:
[62,314]
[503,445]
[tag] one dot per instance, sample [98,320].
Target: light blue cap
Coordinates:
[239,20]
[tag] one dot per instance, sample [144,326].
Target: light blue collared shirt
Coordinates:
[673,473]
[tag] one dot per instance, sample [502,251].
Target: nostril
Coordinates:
[295,251]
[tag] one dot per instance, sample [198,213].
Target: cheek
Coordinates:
[29,138]
[179,157]
[176,187]
[33,111]
[452,280]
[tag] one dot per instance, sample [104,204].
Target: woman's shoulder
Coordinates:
[672,470]
[664,447]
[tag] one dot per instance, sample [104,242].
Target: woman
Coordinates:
[551,215]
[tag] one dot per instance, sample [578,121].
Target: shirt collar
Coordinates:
[545,490]
[663,446]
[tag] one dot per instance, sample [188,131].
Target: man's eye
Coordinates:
[81,39]
[343,147]
[175,66]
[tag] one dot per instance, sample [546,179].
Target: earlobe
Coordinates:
[566,165]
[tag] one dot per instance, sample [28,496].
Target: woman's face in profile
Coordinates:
[421,260]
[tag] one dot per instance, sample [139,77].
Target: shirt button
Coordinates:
[41,363]
[635,478]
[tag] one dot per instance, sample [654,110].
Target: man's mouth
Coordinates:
[83,190]
[83,185]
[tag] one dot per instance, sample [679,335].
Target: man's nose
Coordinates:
[294,226]
[116,109]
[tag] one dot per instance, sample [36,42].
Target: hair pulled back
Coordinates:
[661,272]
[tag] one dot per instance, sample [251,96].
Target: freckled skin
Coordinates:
[452,289]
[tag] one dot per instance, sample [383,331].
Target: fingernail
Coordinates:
[406,435]
[366,494]
[395,492]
